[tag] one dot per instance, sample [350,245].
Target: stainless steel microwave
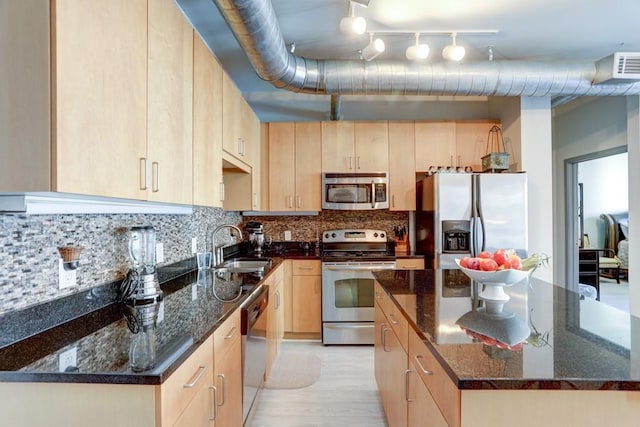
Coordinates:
[355,191]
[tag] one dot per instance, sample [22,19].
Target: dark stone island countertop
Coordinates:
[575,343]
[100,328]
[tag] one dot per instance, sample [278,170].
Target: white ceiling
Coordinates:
[545,30]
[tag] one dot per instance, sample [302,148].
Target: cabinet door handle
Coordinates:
[143,173]
[298,201]
[277,300]
[231,333]
[384,340]
[378,296]
[419,358]
[406,385]
[222,191]
[255,200]
[350,162]
[224,389]
[155,172]
[290,201]
[213,398]
[196,377]
[358,162]
[393,200]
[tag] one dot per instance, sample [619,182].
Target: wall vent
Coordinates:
[622,67]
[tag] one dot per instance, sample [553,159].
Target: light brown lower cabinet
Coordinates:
[306,298]
[275,316]
[227,353]
[421,408]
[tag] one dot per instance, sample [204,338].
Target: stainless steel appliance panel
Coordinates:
[254,349]
[494,204]
[355,191]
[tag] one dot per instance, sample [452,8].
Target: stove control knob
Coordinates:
[381,234]
[333,235]
[375,234]
[326,235]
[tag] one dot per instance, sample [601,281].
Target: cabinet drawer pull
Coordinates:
[231,333]
[143,173]
[212,401]
[155,172]
[224,389]
[305,268]
[196,377]
[419,358]
[393,320]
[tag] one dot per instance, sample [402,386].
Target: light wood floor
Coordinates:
[345,395]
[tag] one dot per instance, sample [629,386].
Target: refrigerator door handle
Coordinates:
[478,208]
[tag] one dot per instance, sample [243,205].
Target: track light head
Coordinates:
[417,52]
[453,52]
[373,49]
[352,25]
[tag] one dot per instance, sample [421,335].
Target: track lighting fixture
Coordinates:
[453,52]
[417,52]
[373,49]
[352,25]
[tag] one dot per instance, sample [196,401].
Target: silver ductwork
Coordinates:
[254,24]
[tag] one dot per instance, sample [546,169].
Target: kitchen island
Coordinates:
[577,365]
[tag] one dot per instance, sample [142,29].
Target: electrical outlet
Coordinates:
[67,359]
[66,278]
[287,235]
[194,245]
[159,252]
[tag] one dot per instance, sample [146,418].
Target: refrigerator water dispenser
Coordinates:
[456,236]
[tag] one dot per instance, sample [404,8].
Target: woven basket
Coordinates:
[497,158]
[70,253]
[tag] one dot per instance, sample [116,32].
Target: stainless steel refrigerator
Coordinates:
[461,214]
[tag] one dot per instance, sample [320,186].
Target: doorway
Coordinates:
[596,183]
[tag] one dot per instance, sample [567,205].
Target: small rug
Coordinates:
[294,369]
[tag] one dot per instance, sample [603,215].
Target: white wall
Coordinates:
[605,190]
[584,126]
[526,124]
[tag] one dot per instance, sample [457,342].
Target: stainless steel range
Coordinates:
[348,259]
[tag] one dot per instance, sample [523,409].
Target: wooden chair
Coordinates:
[608,261]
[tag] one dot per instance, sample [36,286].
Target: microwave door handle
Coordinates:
[373,195]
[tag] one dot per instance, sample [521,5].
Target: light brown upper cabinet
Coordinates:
[207,127]
[295,178]
[451,144]
[435,144]
[355,146]
[103,99]
[170,103]
[77,118]
[471,143]
[402,172]
[241,150]
[240,130]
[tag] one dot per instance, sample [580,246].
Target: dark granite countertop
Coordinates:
[574,343]
[99,327]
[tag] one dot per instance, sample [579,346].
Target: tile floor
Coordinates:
[345,394]
[614,294]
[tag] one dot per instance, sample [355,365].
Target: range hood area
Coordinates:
[64,203]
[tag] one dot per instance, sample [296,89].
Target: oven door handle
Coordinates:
[359,267]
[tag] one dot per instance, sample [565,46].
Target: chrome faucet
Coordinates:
[218,253]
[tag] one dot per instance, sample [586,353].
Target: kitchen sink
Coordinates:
[244,265]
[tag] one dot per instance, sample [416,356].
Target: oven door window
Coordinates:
[353,293]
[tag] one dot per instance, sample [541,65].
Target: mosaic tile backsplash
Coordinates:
[29,255]
[308,228]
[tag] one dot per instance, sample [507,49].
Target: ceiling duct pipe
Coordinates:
[254,24]
[336,107]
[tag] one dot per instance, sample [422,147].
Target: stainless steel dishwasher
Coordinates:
[254,348]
